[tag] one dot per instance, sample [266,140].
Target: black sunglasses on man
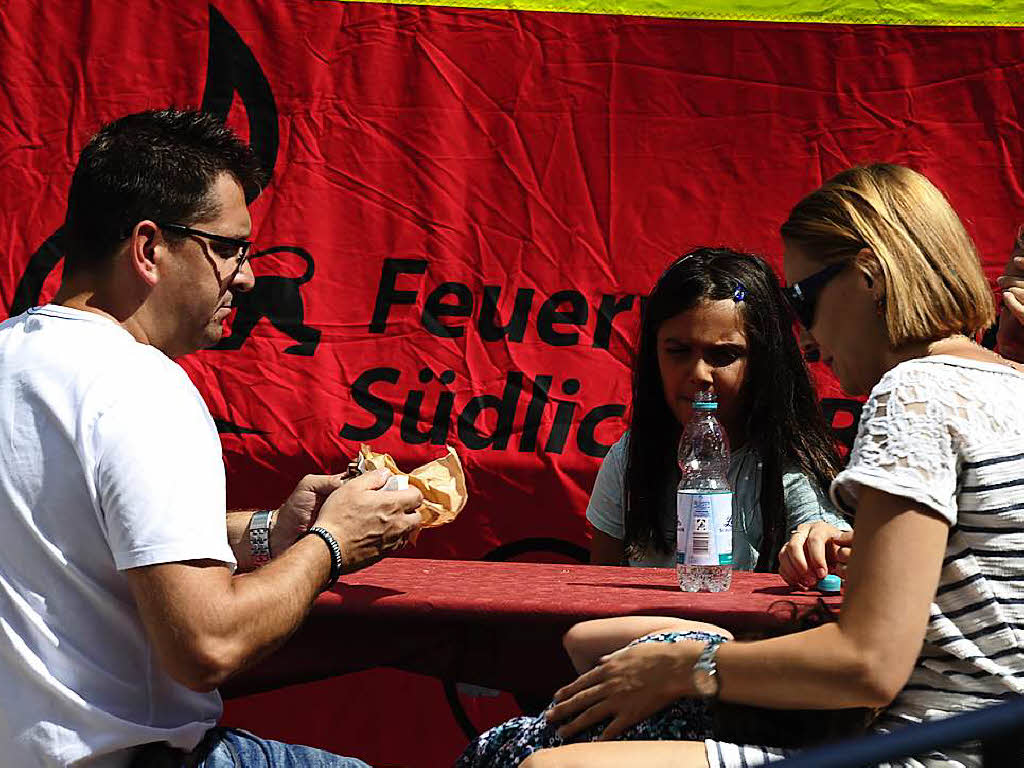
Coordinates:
[237,248]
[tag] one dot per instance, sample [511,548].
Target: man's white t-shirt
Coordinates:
[108,460]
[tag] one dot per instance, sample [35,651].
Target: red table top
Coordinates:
[496,624]
[544,592]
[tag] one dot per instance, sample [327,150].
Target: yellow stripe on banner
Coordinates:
[947,13]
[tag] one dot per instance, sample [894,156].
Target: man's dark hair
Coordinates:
[157,165]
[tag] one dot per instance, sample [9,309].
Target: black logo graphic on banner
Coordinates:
[276,298]
[40,265]
[231,68]
[832,407]
[225,427]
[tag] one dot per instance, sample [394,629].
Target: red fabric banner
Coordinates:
[465,206]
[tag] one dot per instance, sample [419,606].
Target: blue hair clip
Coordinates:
[740,293]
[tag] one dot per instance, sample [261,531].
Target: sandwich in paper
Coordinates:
[441,481]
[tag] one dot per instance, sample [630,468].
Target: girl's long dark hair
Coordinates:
[784,421]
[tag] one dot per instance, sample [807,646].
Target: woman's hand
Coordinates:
[626,686]
[812,552]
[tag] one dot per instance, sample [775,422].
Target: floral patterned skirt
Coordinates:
[508,744]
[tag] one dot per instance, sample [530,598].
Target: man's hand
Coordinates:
[625,687]
[1010,338]
[369,522]
[300,509]
[812,552]
[1012,283]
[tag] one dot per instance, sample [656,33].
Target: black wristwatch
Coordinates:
[705,671]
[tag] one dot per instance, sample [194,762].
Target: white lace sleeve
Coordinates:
[906,442]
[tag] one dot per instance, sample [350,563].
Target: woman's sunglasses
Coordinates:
[803,295]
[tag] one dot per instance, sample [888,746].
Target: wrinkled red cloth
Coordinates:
[497,624]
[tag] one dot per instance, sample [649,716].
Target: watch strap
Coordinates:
[705,670]
[259,537]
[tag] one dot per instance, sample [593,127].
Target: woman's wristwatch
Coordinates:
[705,671]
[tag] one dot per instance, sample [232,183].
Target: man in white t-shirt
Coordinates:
[121,609]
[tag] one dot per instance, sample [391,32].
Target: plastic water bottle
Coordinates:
[704,502]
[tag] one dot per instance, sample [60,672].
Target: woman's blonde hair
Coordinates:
[932,281]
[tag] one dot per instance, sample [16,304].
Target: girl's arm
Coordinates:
[606,516]
[807,502]
[588,641]
[864,660]
[819,536]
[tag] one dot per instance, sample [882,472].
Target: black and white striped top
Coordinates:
[949,433]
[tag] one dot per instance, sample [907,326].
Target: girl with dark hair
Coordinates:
[717,318]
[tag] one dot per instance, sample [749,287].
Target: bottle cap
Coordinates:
[705,400]
[830,583]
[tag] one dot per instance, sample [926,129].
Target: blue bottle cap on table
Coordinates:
[830,583]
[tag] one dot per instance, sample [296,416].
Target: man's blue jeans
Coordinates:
[234,748]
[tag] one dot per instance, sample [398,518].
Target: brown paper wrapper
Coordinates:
[441,481]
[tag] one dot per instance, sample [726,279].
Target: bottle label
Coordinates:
[704,528]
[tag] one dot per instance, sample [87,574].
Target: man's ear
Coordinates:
[143,244]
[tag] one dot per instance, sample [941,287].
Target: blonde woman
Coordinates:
[883,275]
